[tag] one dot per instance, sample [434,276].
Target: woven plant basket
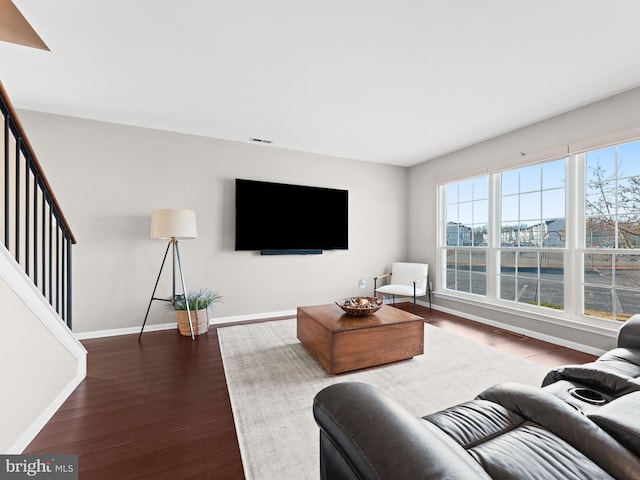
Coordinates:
[199,319]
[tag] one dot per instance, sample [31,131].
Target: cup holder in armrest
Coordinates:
[589,396]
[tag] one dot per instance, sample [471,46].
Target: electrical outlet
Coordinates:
[362,283]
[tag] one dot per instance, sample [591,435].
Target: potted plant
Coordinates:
[199,301]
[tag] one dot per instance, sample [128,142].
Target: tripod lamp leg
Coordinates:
[184,289]
[154,290]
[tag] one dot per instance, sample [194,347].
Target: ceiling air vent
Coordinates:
[260,140]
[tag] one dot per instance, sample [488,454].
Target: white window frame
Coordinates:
[581,248]
[573,250]
[442,227]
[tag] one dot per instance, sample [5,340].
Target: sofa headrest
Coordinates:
[629,333]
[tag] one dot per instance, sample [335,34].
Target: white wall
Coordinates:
[108,178]
[40,362]
[609,119]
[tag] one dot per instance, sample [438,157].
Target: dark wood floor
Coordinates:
[160,409]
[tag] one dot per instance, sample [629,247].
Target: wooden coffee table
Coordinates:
[342,343]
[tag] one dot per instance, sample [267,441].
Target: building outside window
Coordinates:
[532,232]
[467,216]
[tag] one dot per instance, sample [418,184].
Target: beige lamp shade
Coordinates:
[176,223]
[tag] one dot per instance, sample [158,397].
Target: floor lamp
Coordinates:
[172,224]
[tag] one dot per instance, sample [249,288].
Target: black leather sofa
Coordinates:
[583,424]
[615,373]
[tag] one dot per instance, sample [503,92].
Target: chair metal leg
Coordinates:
[415,308]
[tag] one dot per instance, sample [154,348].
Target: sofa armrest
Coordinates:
[629,333]
[595,376]
[366,435]
[620,419]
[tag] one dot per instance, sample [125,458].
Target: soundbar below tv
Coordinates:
[279,218]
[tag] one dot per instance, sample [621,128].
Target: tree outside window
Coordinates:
[611,287]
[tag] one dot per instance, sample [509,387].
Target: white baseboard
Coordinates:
[174,325]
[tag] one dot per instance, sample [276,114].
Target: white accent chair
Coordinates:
[406,280]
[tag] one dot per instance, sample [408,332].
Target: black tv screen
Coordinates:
[280,217]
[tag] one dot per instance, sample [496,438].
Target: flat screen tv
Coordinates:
[278,218]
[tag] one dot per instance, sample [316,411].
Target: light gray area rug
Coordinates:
[272,382]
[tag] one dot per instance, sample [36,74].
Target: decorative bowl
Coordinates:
[360,306]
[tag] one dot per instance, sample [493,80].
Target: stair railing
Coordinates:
[34,229]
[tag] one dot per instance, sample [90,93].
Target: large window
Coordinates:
[521,227]
[611,258]
[466,233]
[532,234]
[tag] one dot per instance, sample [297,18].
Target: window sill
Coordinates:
[608,328]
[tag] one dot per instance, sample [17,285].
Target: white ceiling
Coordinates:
[396,82]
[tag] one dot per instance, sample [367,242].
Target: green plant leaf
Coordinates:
[197,300]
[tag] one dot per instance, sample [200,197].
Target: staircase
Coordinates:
[41,360]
